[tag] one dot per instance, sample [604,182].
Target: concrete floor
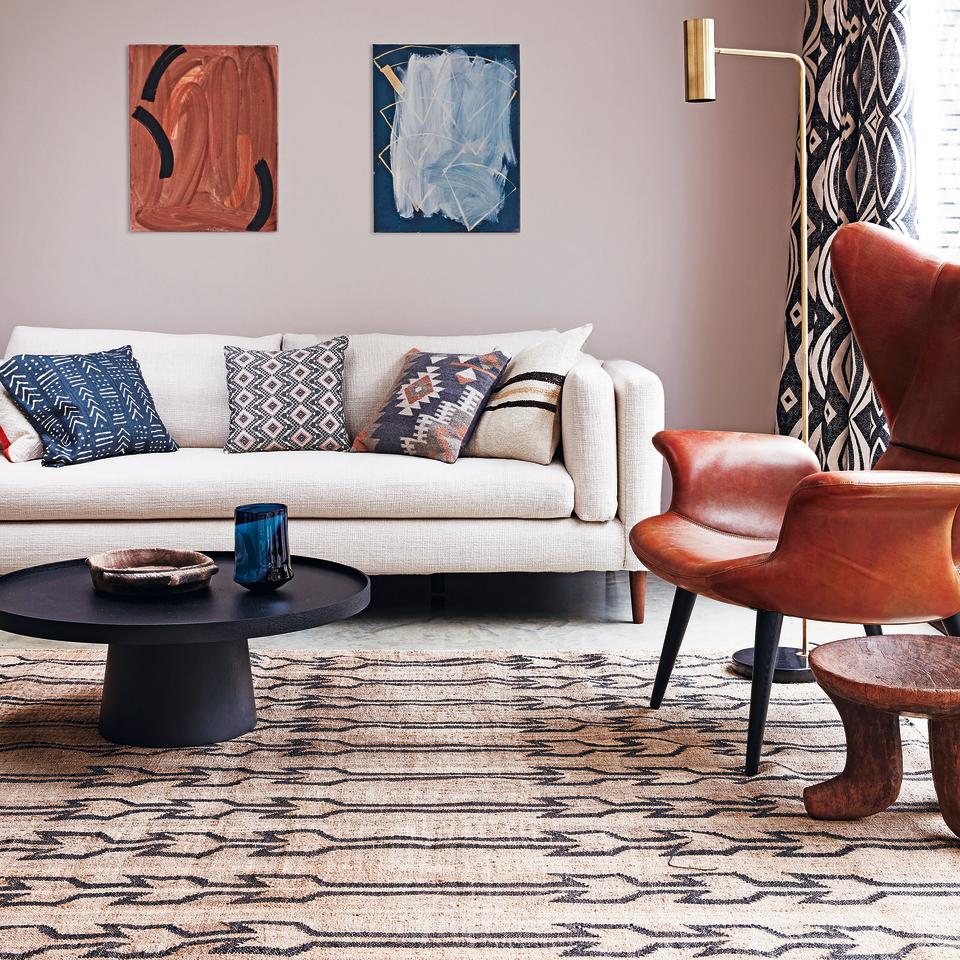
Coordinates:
[527,613]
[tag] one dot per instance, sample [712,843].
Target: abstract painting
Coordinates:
[203,138]
[446,138]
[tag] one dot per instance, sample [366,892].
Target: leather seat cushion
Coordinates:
[689,554]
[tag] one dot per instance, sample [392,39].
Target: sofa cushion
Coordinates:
[203,483]
[521,421]
[185,372]
[286,399]
[432,408]
[86,406]
[19,440]
[375,361]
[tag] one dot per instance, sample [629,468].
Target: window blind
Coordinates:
[937,113]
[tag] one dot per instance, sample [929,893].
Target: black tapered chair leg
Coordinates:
[683,601]
[765,645]
[873,629]
[952,625]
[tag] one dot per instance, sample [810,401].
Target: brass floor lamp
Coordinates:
[700,69]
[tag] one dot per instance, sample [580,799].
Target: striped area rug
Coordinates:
[479,806]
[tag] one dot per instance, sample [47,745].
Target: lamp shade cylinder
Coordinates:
[699,61]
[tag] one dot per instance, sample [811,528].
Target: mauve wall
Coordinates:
[665,225]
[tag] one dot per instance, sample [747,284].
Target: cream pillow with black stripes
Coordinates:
[521,420]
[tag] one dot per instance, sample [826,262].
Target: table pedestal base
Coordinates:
[177,694]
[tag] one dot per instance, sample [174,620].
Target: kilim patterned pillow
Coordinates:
[522,419]
[433,407]
[287,399]
[86,406]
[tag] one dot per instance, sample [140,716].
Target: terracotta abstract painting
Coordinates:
[203,138]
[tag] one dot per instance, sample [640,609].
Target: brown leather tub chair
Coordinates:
[754,522]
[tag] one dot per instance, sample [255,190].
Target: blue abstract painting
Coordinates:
[446,138]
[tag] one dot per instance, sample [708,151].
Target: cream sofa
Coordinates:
[383,514]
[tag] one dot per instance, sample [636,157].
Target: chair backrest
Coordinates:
[904,307]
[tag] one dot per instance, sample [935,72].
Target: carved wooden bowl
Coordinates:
[150,573]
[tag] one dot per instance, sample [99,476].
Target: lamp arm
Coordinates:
[804,277]
[771,54]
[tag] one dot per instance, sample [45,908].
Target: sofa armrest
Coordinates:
[588,420]
[639,403]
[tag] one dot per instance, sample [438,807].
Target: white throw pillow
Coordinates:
[18,440]
[521,420]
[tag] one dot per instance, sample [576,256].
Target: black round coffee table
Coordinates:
[178,668]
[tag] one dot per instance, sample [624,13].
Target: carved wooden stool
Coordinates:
[872,680]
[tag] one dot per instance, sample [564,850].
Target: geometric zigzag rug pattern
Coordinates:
[480,806]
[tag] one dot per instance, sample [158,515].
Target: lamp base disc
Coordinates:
[792,666]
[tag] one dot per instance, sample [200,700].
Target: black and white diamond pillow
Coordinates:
[287,400]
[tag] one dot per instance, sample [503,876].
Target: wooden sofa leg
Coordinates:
[638,593]
[438,591]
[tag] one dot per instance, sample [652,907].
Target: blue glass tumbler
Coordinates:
[262,546]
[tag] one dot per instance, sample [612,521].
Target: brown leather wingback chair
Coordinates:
[754,522]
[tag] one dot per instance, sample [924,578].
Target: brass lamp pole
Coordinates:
[700,76]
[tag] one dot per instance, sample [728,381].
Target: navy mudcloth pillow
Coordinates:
[86,406]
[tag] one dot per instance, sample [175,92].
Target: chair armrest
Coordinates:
[736,482]
[588,420]
[639,403]
[861,547]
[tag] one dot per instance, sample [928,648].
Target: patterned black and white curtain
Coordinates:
[861,166]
